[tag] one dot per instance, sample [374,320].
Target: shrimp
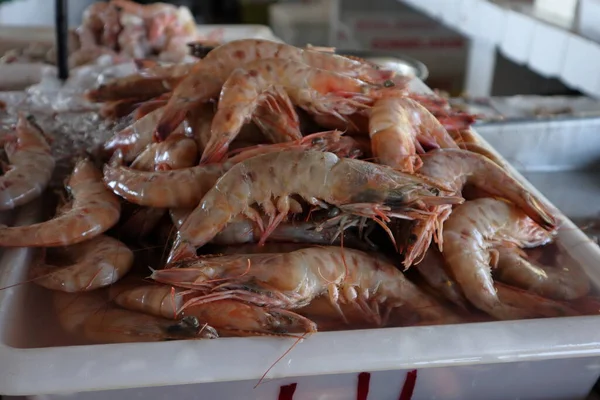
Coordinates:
[186,187]
[177,152]
[228,317]
[118,108]
[471,233]
[94,210]
[146,84]
[242,230]
[211,72]
[356,187]
[88,316]
[292,280]
[31,165]
[458,168]
[432,270]
[566,281]
[315,90]
[147,107]
[400,128]
[98,262]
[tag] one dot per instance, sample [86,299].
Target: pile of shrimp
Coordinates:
[272,190]
[125,28]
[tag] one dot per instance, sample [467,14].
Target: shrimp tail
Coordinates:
[545,218]
[171,118]
[215,152]
[182,250]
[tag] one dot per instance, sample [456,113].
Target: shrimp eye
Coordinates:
[187,324]
[334,212]
[318,140]
[412,239]
[388,84]
[435,191]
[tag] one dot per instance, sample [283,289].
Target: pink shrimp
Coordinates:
[315,90]
[469,237]
[186,187]
[96,263]
[94,210]
[228,317]
[356,187]
[292,280]
[30,165]
[400,128]
[211,72]
[88,316]
[458,168]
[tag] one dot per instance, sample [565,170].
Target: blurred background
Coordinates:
[455,62]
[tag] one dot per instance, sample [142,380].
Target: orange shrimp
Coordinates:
[186,187]
[97,263]
[88,316]
[565,281]
[458,168]
[400,128]
[30,165]
[356,187]
[94,210]
[145,84]
[228,317]
[470,234]
[315,90]
[292,280]
[211,72]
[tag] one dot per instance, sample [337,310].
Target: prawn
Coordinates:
[470,235]
[229,317]
[566,281]
[458,168]
[94,210]
[315,90]
[146,84]
[30,165]
[96,263]
[400,128]
[356,187]
[210,73]
[432,270]
[292,280]
[88,316]
[242,230]
[177,152]
[186,187]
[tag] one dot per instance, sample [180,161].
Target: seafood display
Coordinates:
[121,30]
[270,190]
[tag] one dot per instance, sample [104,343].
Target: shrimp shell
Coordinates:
[317,177]
[185,187]
[565,281]
[211,72]
[317,91]
[293,280]
[31,165]
[94,210]
[229,317]
[470,234]
[98,262]
[89,316]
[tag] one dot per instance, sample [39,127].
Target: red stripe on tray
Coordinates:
[409,385]
[286,392]
[362,392]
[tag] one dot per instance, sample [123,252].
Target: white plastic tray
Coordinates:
[533,359]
